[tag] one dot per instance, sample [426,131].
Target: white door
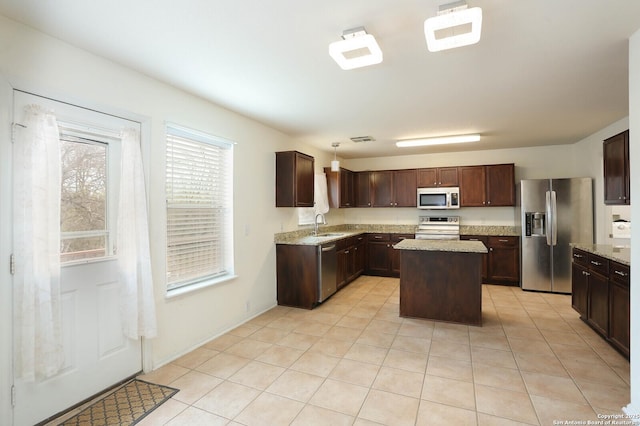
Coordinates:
[97,355]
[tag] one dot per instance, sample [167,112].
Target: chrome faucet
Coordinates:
[315,223]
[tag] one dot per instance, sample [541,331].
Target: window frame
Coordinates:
[178,287]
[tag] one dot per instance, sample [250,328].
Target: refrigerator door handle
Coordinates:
[548,217]
[554,219]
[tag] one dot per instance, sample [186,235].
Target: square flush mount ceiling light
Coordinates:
[455,26]
[357,49]
[406,143]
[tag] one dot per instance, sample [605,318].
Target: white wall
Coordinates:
[634,129]
[34,62]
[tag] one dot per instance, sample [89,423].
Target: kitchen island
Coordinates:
[441,280]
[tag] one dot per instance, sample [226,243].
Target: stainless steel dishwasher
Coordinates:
[327,262]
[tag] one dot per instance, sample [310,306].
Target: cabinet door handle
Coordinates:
[346,252]
[503,241]
[622,274]
[578,256]
[473,239]
[593,262]
[491,249]
[378,237]
[586,273]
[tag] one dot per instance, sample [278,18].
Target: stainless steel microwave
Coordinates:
[439,198]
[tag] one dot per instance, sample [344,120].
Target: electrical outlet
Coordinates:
[247,306]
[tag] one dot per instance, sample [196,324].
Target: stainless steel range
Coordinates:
[438,228]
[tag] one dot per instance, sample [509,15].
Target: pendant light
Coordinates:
[335,164]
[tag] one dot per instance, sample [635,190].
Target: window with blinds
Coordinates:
[199,192]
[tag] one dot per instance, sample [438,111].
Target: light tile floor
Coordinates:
[354,361]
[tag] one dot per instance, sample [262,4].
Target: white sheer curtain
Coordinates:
[134,264]
[36,220]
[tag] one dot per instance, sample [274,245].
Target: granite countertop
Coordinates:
[323,237]
[305,237]
[617,254]
[463,246]
[490,230]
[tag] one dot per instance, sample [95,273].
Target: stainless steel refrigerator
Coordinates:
[552,214]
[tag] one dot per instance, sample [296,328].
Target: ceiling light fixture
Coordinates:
[437,141]
[454,26]
[335,164]
[357,49]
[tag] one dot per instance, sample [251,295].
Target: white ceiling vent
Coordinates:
[360,139]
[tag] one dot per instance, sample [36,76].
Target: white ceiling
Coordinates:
[544,72]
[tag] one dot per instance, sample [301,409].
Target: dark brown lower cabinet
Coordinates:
[297,275]
[378,260]
[598,303]
[600,294]
[351,258]
[501,265]
[580,289]
[382,259]
[619,307]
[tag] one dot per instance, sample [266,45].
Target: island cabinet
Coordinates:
[297,275]
[501,264]
[437,177]
[616,169]
[294,179]
[382,259]
[441,280]
[351,259]
[491,185]
[393,188]
[362,189]
[340,188]
[600,294]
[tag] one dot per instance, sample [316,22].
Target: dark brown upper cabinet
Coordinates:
[294,179]
[340,188]
[617,188]
[487,186]
[438,176]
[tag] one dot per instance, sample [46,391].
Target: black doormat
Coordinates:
[127,405]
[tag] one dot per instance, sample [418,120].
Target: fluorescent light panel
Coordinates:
[347,52]
[437,141]
[458,19]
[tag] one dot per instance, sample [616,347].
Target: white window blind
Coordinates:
[199,207]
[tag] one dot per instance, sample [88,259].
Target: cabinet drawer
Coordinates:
[396,238]
[598,264]
[619,273]
[580,257]
[503,241]
[343,243]
[378,237]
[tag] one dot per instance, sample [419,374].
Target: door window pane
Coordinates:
[83,215]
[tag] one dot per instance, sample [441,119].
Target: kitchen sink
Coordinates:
[332,234]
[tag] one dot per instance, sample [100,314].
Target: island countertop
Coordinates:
[458,246]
